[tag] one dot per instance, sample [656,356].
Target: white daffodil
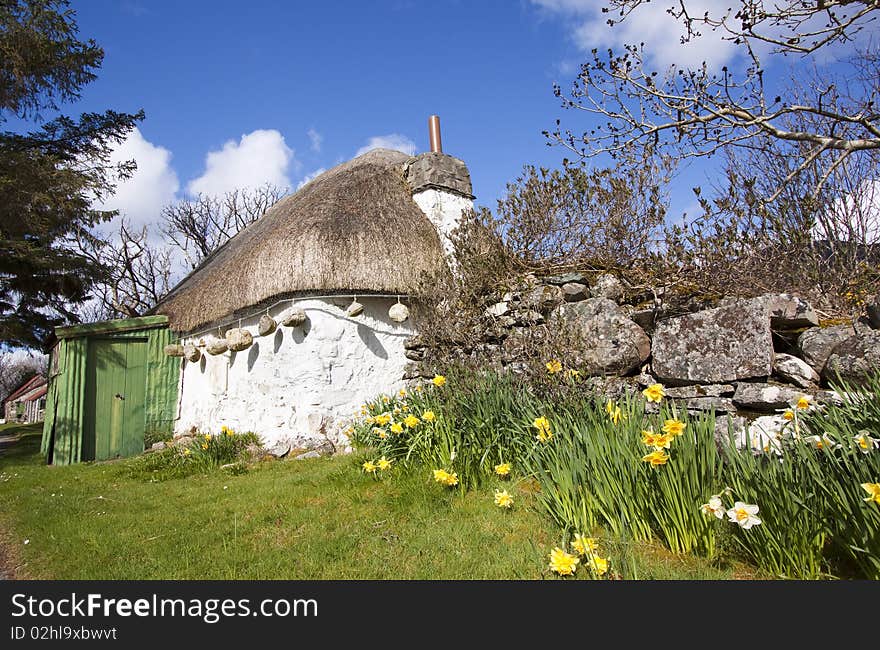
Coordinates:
[865,442]
[744,515]
[821,442]
[714,507]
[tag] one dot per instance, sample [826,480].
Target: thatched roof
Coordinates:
[354,228]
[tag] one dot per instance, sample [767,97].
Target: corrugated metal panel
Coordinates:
[63,424]
[65,406]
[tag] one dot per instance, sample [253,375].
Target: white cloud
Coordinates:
[651,24]
[154,183]
[315,138]
[311,176]
[394,141]
[259,157]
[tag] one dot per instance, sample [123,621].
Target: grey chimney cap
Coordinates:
[433,170]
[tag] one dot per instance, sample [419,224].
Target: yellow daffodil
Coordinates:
[503,499]
[572,373]
[418,388]
[553,366]
[439,380]
[382,419]
[451,479]
[402,392]
[440,475]
[397,427]
[674,427]
[383,463]
[654,393]
[803,402]
[744,515]
[599,565]
[873,490]
[411,421]
[656,457]
[614,412]
[656,440]
[186,452]
[502,469]
[208,436]
[648,437]
[788,415]
[205,446]
[565,564]
[428,416]
[224,429]
[584,545]
[542,424]
[369,467]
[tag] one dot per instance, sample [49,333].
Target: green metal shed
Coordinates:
[110,385]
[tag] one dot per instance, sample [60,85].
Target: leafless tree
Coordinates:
[693,112]
[137,272]
[200,226]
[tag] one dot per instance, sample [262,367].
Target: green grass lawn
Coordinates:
[310,519]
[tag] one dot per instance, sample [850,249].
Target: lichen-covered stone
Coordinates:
[239,339]
[575,291]
[787,312]
[855,359]
[794,370]
[714,346]
[699,390]
[607,286]
[565,278]
[873,310]
[542,298]
[817,343]
[764,397]
[608,341]
[266,325]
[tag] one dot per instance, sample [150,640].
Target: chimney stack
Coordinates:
[434,134]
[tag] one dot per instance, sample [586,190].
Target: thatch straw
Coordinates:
[352,229]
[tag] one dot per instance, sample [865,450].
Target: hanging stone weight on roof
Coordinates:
[239,339]
[174,350]
[294,317]
[398,312]
[217,346]
[266,325]
[191,353]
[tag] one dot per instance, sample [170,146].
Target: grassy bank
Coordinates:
[310,519]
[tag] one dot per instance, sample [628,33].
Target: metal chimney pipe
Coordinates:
[434,133]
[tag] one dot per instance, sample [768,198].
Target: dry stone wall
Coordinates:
[743,359]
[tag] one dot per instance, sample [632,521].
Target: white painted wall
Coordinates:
[444,210]
[287,383]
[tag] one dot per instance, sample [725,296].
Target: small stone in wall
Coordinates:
[700,390]
[279,450]
[764,397]
[566,278]
[498,309]
[158,446]
[817,343]
[727,426]
[575,291]
[855,359]
[873,310]
[607,286]
[794,370]
[542,298]
[786,312]
[307,455]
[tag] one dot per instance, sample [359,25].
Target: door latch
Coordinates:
[118,396]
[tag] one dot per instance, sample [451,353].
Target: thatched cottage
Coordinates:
[299,318]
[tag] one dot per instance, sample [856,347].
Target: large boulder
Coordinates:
[817,343]
[714,346]
[854,359]
[608,341]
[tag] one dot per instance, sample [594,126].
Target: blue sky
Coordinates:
[237,93]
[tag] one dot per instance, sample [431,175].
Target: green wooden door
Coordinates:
[116,377]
